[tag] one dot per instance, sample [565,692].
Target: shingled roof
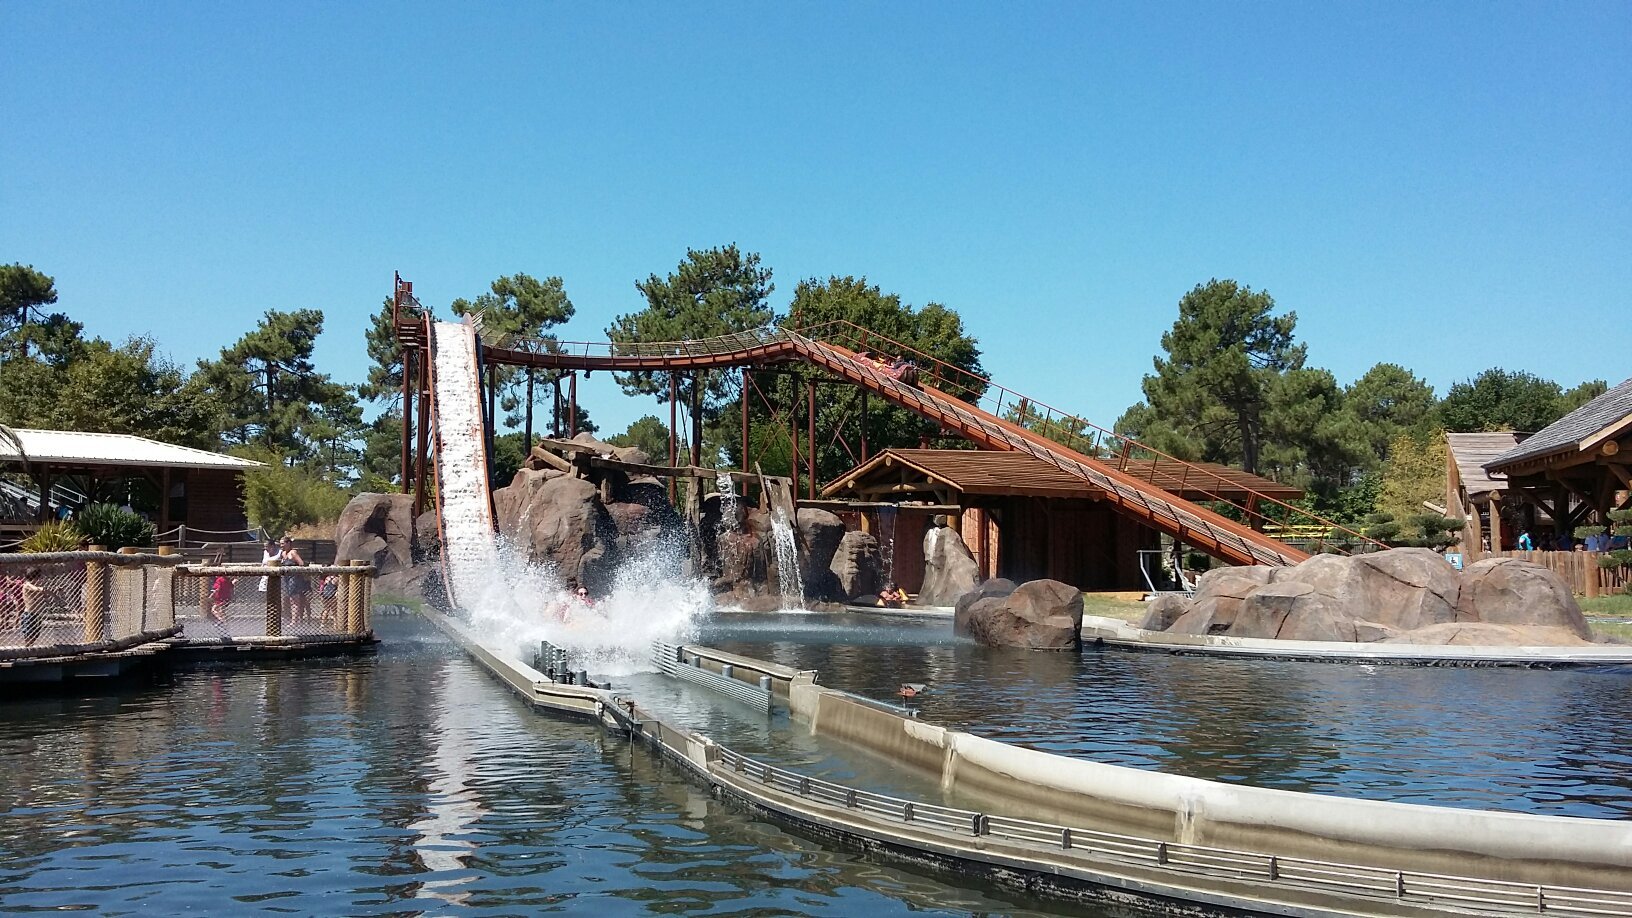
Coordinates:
[1604,416]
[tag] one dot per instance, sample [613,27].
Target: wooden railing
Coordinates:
[1577,568]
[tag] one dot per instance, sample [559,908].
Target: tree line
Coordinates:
[1232,384]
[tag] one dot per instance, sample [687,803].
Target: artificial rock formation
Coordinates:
[1038,615]
[858,566]
[818,534]
[380,529]
[1403,596]
[949,568]
[560,521]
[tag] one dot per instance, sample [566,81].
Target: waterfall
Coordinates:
[787,561]
[512,603]
[727,528]
[886,541]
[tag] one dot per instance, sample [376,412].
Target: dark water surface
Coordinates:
[403,783]
[1549,742]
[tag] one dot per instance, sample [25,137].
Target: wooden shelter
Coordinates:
[1022,517]
[1472,492]
[1577,468]
[178,485]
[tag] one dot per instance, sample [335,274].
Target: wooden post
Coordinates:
[354,613]
[746,463]
[1496,522]
[696,418]
[863,421]
[204,602]
[274,602]
[407,420]
[96,599]
[181,536]
[45,494]
[793,439]
[572,405]
[423,450]
[366,610]
[1589,561]
[492,426]
[674,419]
[810,441]
[555,407]
[164,501]
[528,436]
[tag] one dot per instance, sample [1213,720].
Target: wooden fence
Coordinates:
[1574,567]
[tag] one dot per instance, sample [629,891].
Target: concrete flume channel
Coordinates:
[1067,828]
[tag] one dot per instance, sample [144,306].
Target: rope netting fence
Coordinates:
[72,603]
[59,603]
[236,601]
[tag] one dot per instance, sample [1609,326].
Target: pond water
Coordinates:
[1551,742]
[402,783]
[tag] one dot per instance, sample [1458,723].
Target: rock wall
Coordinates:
[1403,595]
[1038,615]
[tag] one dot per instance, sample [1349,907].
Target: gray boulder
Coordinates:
[1039,615]
[1508,591]
[995,587]
[949,568]
[379,529]
[819,533]
[1163,611]
[1218,598]
[858,566]
[561,522]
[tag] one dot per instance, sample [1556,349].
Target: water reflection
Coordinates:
[405,783]
[1529,741]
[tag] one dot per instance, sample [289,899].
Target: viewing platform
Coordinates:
[93,615]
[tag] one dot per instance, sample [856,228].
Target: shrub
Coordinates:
[277,498]
[114,527]
[53,536]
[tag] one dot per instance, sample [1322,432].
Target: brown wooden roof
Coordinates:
[1470,452]
[1007,474]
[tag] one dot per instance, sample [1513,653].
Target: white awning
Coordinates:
[72,447]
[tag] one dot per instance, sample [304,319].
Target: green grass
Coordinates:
[1615,606]
[1128,610]
[387,599]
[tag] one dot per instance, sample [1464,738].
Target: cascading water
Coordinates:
[513,604]
[787,561]
[886,541]
[724,545]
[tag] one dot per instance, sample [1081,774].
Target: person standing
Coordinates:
[296,588]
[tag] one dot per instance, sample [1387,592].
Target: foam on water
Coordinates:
[521,604]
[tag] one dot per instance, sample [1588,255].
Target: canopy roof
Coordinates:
[77,449]
[1013,474]
[1471,451]
[1606,417]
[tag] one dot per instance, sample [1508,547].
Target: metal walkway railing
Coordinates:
[1264,870]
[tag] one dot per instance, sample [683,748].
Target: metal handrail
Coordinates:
[1355,880]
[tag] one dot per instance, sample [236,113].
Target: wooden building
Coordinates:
[1023,518]
[1577,468]
[172,485]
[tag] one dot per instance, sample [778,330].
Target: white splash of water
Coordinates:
[886,541]
[787,561]
[723,545]
[521,604]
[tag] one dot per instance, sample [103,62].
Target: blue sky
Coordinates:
[1446,186]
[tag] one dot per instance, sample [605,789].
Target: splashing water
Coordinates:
[522,603]
[787,561]
[728,521]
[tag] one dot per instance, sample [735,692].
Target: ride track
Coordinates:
[1181,519]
